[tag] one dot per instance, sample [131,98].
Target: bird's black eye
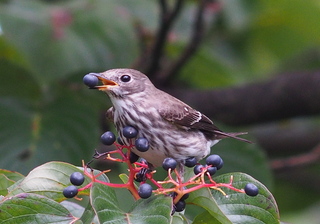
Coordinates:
[125,78]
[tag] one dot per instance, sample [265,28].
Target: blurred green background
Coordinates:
[46,47]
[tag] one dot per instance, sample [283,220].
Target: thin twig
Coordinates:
[163,6]
[297,161]
[141,34]
[193,45]
[166,22]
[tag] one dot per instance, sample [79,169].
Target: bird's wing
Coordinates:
[186,117]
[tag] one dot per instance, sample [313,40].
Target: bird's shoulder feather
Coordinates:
[110,114]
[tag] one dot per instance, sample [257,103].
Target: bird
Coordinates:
[173,128]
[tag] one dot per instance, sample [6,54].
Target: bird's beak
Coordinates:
[106,82]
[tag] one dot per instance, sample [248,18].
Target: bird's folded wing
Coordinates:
[186,117]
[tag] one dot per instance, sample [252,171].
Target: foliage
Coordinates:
[37,198]
[47,46]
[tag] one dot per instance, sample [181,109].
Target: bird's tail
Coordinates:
[233,135]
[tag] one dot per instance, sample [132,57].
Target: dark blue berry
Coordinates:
[190,162]
[180,206]
[70,191]
[211,170]
[108,138]
[129,132]
[213,160]
[197,169]
[185,196]
[133,157]
[77,178]
[145,190]
[169,163]
[119,141]
[220,165]
[142,144]
[251,189]
[90,80]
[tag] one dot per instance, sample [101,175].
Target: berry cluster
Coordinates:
[140,172]
[129,132]
[76,179]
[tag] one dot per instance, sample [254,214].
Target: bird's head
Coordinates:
[122,82]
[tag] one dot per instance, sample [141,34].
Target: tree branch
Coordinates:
[194,43]
[282,97]
[163,7]
[166,22]
[298,160]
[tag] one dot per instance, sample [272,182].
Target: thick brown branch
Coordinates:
[282,97]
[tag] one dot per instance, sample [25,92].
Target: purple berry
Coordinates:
[133,157]
[180,206]
[197,169]
[190,162]
[108,138]
[220,165]
[90,80]
[251,189]
[213,160]
[70,191]
[120,141]
[145,190]
[77,178]
[169,163]
[129,132]
[142,144]
[211,170]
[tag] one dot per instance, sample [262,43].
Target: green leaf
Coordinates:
[241,208]
[4,184]
[104,202]
[74,208]
[61,40]
[177,219]
[88,215]
[14,74]
[235,207]
[7,179]
[9,54]
[241,157]
[33,208]
[155,209]
[49,180]
[213,71]
[204,199]
[56,129]
[206,217]
[11,175]
[124,178]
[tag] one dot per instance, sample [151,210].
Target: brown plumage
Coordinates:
[173,128]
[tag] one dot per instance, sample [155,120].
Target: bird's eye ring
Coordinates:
[125,78]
